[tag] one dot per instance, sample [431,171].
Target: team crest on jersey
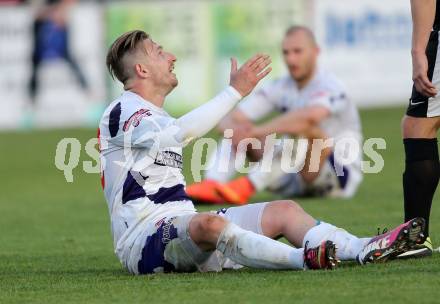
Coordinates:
[160,222]
[136,118]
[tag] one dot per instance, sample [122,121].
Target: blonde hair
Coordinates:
[126,43]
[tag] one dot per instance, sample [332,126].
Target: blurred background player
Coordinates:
[422,119]
[311,103]
[51,41]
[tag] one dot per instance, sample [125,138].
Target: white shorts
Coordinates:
[170,247]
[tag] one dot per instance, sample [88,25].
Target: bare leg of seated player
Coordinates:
[212,232]
[315,167]
[240,190]
[287,219]
[244,236]
[317,155]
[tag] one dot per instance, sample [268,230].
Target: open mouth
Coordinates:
[171,68]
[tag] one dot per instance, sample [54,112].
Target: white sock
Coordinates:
[221,162]
[263,178]
[273,171]
[258,251]
[348,245]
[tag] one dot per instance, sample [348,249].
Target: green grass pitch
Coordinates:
[56,247]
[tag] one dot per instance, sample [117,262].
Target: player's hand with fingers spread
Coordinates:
[420,75]
[249,74]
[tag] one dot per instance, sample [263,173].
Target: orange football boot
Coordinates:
[237,191]
[205,192]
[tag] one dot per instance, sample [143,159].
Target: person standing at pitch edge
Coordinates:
[422,119]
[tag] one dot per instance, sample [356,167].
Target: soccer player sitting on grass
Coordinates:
[310,103]
[155,225]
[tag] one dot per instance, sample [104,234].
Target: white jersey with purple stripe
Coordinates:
[141,167]
[142,178]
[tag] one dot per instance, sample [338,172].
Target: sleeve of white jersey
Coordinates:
[260,103]
[201,120]
[164,131]
[333,101]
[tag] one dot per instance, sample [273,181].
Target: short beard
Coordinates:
[171,87]
[303,77]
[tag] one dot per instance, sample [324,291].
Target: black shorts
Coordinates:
[420,105]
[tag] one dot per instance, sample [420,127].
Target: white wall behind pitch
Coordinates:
[367,44]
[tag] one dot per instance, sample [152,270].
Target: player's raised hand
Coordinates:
[249,74]
[420,75]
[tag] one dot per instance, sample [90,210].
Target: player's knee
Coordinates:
[204,230]
[287,208]
[278,215]
[212,224]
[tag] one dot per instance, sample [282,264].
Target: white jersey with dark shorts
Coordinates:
[141,173]
[326,90]
[143,184]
